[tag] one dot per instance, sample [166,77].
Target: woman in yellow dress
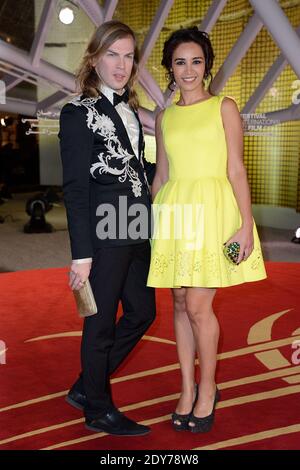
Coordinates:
[201,201]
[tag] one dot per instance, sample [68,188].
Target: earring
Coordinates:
[171,77]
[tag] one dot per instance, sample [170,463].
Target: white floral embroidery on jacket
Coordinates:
[104,126]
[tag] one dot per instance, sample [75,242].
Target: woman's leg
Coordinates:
[186,351]
[206,330]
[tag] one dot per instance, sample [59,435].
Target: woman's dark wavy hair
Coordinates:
[188,35]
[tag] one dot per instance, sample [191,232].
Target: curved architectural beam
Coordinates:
[292,113]
[151,87]
[212,15]
[273,73]
[12,80]
[51,100]
[236,54]
[49,72]
[280,29]
[109,9]
[93,10]
[155,29]
[17,106]
[148,119]
[271,76]
[41,34]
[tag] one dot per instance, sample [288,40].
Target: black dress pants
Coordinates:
[117,273]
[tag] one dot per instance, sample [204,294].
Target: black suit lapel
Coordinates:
[106,107]
[141,137]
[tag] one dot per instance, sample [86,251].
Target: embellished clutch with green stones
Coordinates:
[232,252]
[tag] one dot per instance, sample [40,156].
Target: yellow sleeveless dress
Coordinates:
[195,211]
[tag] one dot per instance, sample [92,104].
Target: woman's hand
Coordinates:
[244,236]
[79,273]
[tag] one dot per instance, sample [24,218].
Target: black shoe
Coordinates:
[114,422]
[183,424]
[76,399]
[204,424]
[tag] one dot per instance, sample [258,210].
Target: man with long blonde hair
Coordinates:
[105,184]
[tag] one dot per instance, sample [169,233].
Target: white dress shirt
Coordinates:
[133,130]
[128,117]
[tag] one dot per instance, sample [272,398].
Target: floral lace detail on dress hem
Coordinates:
[185,264]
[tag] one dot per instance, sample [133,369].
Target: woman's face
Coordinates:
[114,67]
[188,65]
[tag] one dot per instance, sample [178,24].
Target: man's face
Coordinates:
[115,65]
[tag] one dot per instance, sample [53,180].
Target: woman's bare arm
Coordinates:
[237,174]
[162,166]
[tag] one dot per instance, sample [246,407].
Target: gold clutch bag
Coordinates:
[85,300]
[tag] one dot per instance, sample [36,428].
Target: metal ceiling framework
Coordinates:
[19,65]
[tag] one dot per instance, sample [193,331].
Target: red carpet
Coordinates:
[258,379]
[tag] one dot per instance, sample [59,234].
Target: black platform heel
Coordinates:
[204,424]
[184,419]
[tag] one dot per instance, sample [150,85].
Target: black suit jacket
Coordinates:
[99,166]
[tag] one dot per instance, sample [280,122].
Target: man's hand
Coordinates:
[79,273]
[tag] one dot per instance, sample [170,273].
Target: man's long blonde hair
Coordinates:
[87,80]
